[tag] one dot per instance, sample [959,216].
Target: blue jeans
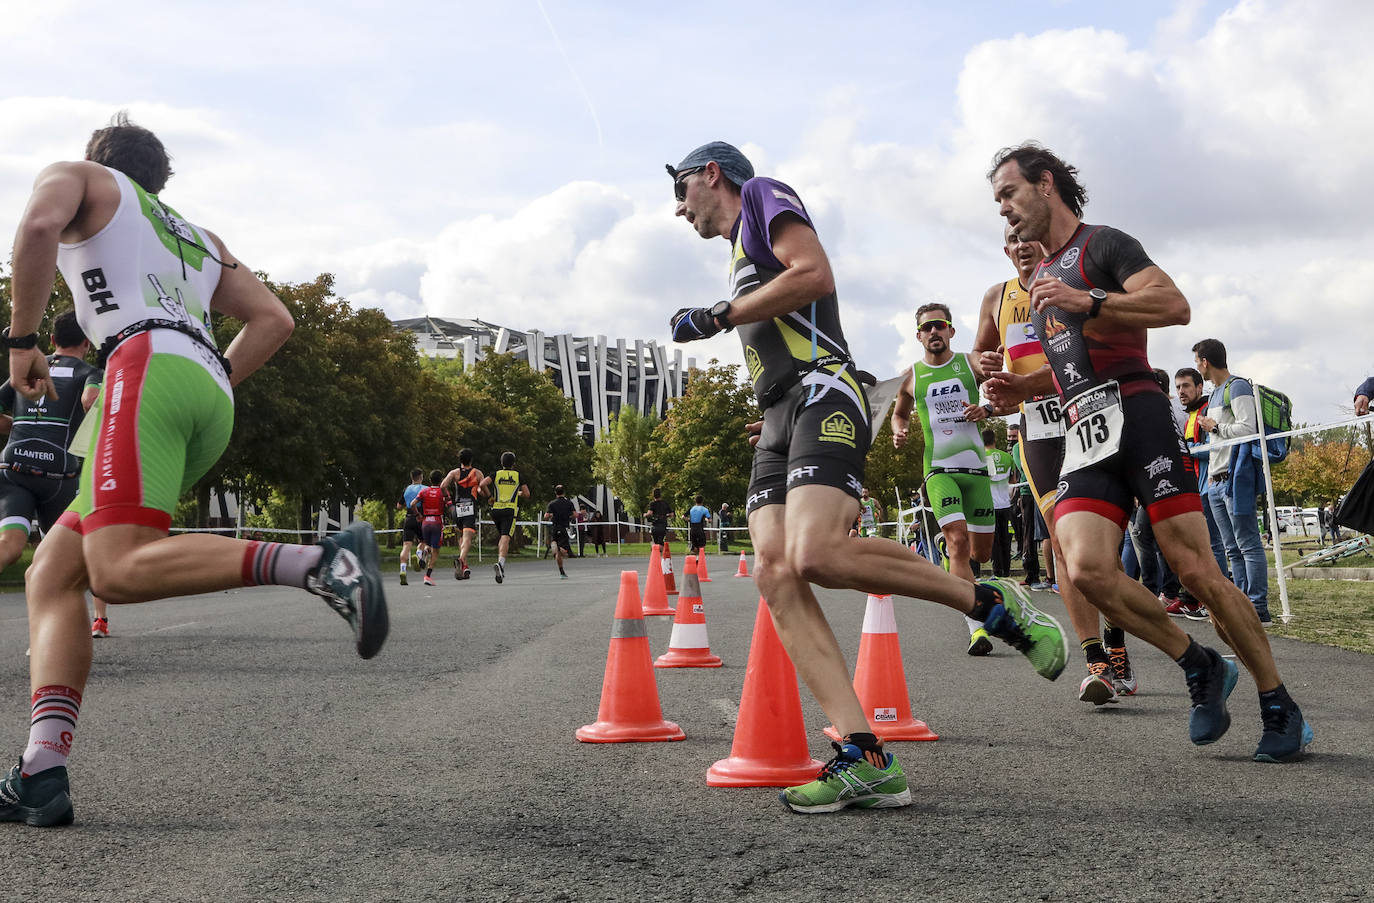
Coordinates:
[1218,550]
[1249,569]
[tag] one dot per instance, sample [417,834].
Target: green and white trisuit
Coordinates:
[955,464]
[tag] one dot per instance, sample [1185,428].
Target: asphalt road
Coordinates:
[232,747]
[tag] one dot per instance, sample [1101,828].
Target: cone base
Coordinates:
[606,732]
[915,729]
[657,612]
[740,772]
[688,658]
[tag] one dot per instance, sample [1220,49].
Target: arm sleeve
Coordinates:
[1116,255]
[1243,409]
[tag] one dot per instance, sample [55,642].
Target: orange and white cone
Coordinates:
[770,747]
[743,566]
[655,599]
[701,566]
[880,681]
[669,584]
[630,711]
[688,647]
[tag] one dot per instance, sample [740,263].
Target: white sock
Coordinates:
[972,625]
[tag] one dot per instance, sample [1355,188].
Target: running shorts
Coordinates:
[1148,467]
[504,519]
[467,522]
[824,443]
[24,497]
[962,497]
[1041,460]
[560,536]
[433,533]
[164,420]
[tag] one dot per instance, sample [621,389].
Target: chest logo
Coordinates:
[1069,259]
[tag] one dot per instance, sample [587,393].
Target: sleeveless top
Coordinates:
[940,393]
[507,484]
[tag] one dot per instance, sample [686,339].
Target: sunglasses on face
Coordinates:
[680,182]
[928,325]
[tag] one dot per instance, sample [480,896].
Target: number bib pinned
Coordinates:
[464,508]
[1044,419]
[1094,423]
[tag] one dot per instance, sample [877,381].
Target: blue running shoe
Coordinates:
[1208,689]
[1286,734]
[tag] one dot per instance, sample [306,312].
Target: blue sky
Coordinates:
[505,160]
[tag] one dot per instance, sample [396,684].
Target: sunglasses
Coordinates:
[680,182]
[928,325]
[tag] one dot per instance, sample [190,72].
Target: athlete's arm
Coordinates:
[448,478]
[1005,390]
[901,411]
[266,322]
[524,491]
[989,337]
[1151,300]
[89,395]
[806,276]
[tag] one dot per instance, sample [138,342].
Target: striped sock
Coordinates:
[50,729]
[279,563]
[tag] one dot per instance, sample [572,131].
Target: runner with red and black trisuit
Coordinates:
[429,506]
[1093,300]
[467,485]
[1005,324]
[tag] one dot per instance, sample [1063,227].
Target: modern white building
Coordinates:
[600,375]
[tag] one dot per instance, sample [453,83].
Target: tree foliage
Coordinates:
[621,459]
[701,446]
[1321,469]
[59,302]
[889,468]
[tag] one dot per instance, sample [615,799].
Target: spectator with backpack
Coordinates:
[1234,476]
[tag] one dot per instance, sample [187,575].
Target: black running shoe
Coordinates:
[349,579]
[500,571]
[1208,689]
[1286,734]
[42,800]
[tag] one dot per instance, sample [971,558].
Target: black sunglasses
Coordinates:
[680,183]
[932,324]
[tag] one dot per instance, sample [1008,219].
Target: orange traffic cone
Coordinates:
[669,584]
[655,599]
[880,681]
[770,748]
[688,647]
[743,566]
[701,566]
[629,711]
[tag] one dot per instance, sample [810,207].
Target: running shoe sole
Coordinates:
[500,572]
[873,801]
[980,645]
[1097,690]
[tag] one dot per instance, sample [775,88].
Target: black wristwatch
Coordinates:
[720,312]
[23,341]
[1098,296]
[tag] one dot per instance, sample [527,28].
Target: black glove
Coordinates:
[692,323]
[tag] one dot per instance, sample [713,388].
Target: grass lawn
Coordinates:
[1331,612]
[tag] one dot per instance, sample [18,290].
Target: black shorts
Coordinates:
[696,535]
[433,534]
[24,497]
[468,522]
[823,443]
[504,519]
[410,530]
[1148,466]
[1041,460]
[658,533]
[560,536]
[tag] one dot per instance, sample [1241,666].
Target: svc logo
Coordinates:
[838,428]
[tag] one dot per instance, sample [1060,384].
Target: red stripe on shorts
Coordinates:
[1183,503]
[1096,506]
[117,479]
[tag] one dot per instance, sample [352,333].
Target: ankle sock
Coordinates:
[279,563]
[985,599]
[1093,651]
[872,747]
[51,727]
[1113,636]
[1277,696]
[1195,658]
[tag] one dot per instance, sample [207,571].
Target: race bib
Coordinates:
[1094,423]
[947,411]
[463,508]
[1044,419]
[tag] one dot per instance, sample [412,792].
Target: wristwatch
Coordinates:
[720,312]
[23,341]
[1098,296]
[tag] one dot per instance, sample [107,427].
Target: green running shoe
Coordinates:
[978,643]
[850,780]
[1032,632]
[42,800]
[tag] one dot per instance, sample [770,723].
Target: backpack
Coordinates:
[1276,413]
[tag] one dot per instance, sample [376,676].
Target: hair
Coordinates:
[1162,377]
[133,150]
[989,437]
[658,493]
[465,457]
[66,333]
[507,460]
[1033,158]
[1211,351]
[1189,372]
[436,477]
[415,474]
[558,490]
[699,500]
[933,305]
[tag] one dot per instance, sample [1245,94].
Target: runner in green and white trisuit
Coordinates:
[942,388]
[870,513]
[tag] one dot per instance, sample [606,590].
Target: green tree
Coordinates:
[1318,472]
[534,419]
[621,458]
[59,302]
[888,469]
[701,446]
